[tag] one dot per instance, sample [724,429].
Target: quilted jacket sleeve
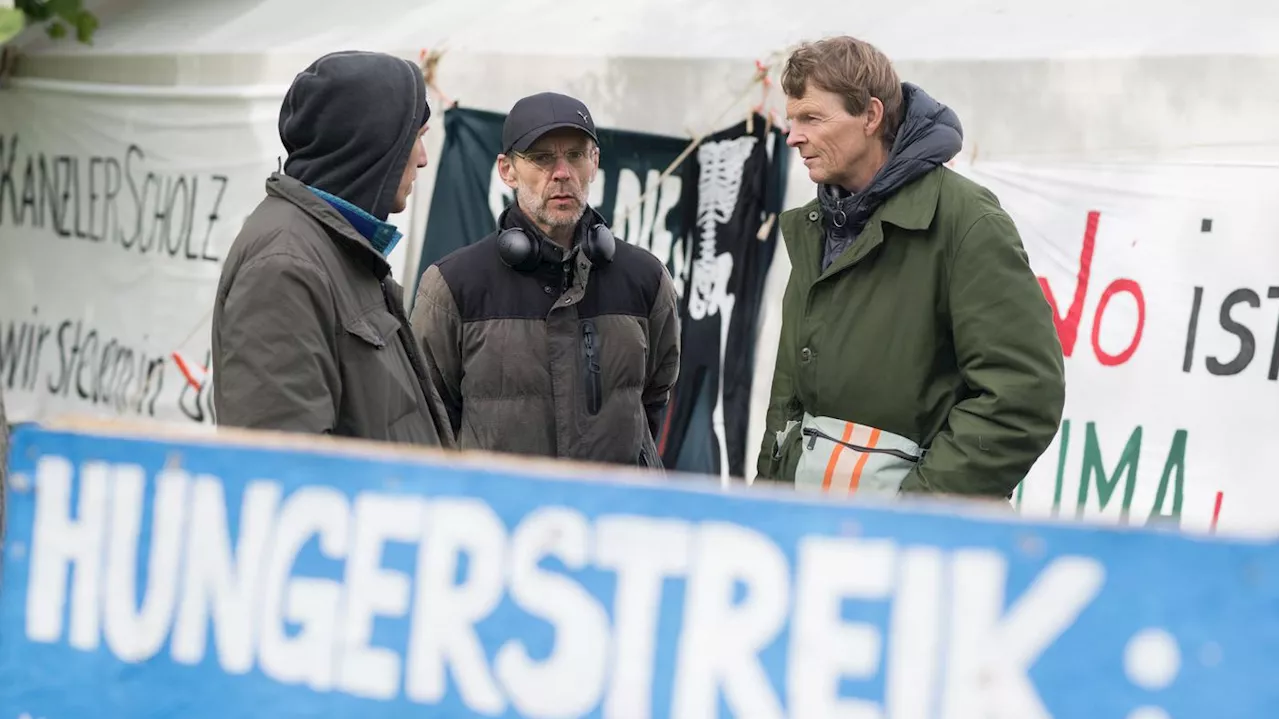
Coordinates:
[663,362]
[437,329]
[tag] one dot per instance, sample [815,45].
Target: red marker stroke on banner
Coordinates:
[1069,325]
[1217,509]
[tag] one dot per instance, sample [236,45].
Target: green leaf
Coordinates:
[35,10]
[11,23]
[57,30]
[65,9]
[86,23]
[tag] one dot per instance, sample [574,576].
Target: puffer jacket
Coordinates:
[571,360]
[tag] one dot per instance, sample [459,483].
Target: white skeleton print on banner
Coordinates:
[719,181]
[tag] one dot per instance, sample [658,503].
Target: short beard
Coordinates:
[536,209]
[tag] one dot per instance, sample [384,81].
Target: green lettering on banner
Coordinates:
[1092,465]
[1062,463]
[1176,460]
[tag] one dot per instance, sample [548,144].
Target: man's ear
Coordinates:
[507,171]
[875,116]
[595,163]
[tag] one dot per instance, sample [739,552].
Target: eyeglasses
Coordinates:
[577,159]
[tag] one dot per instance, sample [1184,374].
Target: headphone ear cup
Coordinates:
[517,250]
[600,244]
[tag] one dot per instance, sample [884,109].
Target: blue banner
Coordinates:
[215,578]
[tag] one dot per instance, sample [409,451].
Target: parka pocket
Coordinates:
[782,437]
[840,456]
[786,446]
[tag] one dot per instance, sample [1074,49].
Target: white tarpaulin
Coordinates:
[1164,282]
[115,214]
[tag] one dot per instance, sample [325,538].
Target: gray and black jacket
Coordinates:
[571,360]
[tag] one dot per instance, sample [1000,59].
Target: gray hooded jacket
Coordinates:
[309,329]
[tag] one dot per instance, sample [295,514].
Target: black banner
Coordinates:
[734,184]
[696,238]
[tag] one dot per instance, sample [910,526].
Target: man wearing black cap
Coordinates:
[548,337]
[309,330]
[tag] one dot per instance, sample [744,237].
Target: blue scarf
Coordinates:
[382,235]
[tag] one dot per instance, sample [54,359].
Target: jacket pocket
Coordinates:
[378,379]
[591,381]
[374,328]
[837,455]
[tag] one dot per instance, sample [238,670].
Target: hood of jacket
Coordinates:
[930,135]
[349,122]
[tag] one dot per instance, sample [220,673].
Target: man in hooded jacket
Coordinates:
[917,352]
[309,328]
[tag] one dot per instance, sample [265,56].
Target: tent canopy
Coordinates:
[913,30]
[1091,77]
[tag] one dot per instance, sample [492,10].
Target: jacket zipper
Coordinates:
[814,434]
[591,357]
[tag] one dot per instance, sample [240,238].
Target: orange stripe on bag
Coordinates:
[835,456]
[862,461]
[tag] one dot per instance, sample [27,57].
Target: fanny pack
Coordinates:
[841,456]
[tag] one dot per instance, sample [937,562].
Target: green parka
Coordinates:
[932,326]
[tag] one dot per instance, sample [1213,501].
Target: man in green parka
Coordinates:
[918,354]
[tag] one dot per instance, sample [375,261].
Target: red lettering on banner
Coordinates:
[1069,326]
[1123,285]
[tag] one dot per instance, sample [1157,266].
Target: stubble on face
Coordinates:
[537,205]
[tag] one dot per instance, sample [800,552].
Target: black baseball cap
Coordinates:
[536,115]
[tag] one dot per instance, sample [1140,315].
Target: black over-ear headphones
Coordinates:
[524,254]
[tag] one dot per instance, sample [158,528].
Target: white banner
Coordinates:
[115,213]
[1164,280]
